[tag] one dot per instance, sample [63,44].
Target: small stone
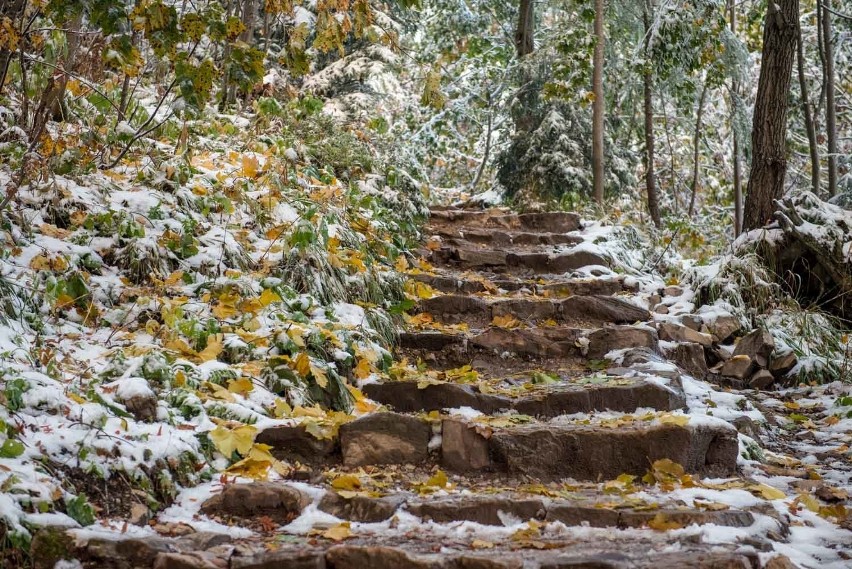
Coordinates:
[757,345]
[673,291]
[385,438]
[723,327]
[672,332]
[142,407]
[783,364]
[738,367]
[661,309]
[780,562]
[655,299]
[139,514]
[364,509]
[692,322]
[462,448]
[747,427]
[690,358]
[761,379]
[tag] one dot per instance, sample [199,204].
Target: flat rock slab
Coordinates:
[549,222]
[547,401]
[385,438]
[280,502]
[496,510]
[549,451]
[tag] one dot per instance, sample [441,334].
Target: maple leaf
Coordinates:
[339,532]
[215,346]
[227,440]
[505,321]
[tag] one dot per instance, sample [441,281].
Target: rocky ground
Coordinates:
[546,410]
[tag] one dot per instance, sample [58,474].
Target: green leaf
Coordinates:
[11,449]
[79,509]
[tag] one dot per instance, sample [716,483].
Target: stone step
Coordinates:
[585,311]
[541,262]
[549,222]
[282,502]
[529,343]
[519,447]
[636,550]
[555,450]
[578,396]
[455,283]
[502,238]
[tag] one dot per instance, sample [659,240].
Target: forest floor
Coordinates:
[551,402]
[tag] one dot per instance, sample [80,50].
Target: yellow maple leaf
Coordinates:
[319,376]
[364,369]
[505,321]
[346,482]
[303,364]
[401,264]
[243,386]
[251,165]
[227,440]
[661,523]
[339,532]
[766,491]
[268,296]
[679,420]
[215,345]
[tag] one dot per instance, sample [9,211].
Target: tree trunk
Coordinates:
[598,106]
[806,109]
[52,99]
[696,142]
[738,183]
[830,109]
[524,42]
[769,124]
[648,91]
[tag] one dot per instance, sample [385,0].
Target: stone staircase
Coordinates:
[528,442]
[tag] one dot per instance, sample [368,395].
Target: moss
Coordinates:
[50,545]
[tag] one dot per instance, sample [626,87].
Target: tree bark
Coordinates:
[769,124]
[830,109]
[598,106]
[806,109]
[524,41]
[648,92]
[696,142]
[738,183]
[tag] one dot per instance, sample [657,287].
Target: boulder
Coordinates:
[757,345]
[280,502]
[385,438]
